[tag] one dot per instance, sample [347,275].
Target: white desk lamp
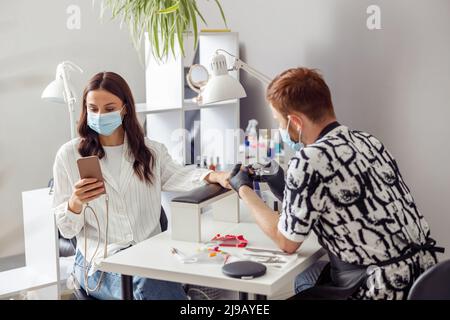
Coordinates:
[62,91]
[220,86]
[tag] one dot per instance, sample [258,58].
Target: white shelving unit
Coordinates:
[40,277]
[190,132]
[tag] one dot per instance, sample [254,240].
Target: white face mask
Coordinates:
[296,146]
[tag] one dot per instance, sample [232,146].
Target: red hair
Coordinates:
[303,90]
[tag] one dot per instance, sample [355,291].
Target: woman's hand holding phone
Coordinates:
[85,190]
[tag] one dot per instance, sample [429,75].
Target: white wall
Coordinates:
[34,39]
[393,83]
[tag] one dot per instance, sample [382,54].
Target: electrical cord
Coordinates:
[199,291]
[86,271]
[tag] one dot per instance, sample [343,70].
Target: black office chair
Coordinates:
[433,284]
[80,294]
[67,247]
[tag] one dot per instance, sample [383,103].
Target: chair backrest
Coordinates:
[163,221]
[433,284]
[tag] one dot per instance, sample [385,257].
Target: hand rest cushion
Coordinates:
[201,194]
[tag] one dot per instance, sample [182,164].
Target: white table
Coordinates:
[152,259]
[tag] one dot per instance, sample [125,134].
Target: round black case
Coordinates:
[244,269]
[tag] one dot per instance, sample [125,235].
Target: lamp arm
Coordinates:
[72,66]
[70,99]
[62,70]
[239,64]
[68,95]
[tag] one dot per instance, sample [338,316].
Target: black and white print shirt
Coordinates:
[348,189]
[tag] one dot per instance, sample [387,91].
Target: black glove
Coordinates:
[273,175]
[239,178]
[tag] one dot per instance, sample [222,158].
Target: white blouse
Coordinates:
[113,160]
[134,206]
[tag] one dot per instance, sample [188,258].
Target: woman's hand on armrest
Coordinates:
[220,177]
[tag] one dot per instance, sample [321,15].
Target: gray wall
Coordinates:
[34,39]
[393,83]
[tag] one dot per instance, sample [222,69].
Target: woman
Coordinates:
[135,171]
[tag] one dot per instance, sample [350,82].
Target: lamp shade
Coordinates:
[54,92]
[221,88]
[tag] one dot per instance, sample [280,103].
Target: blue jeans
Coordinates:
[111,288]
[308,278]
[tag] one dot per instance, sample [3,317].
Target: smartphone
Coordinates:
[89,167]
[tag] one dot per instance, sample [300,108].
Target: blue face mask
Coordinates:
[296,146]
[104,124]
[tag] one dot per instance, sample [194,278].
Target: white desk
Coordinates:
[152,259]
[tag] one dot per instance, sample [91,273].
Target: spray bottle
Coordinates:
[251,141]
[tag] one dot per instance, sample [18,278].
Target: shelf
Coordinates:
[169,111]
[188,105]
[22,279]
[143,109]
[193,106]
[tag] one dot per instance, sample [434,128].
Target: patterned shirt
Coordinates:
[348,189]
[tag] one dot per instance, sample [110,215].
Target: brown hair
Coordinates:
[302,90]
[90,144]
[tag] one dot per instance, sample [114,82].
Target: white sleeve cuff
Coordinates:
[62,212]
[72,216]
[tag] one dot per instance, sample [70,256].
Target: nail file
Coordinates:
[267,250]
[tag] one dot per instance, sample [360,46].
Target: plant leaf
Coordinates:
[222,13]
[170,9]
[194,5]
[193,16]
[164,21]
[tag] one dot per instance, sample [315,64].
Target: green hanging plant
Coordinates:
[164,21]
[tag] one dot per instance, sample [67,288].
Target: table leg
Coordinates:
[127,287]
[243,296]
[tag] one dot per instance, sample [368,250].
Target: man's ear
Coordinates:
[296,121]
